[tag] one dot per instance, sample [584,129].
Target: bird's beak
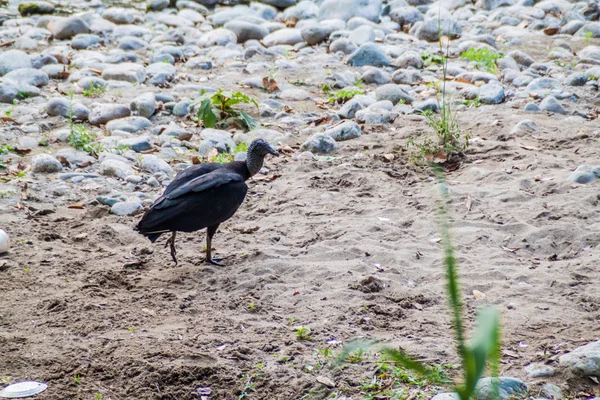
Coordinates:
[273,151]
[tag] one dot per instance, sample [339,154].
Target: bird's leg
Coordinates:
[210,231]
[171,241]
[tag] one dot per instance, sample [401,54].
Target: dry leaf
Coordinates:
[463,80]
[185,136]
[296,293]
[551,31]
[21,151]
[8,43]
[270,84]
[512,250]
[150,151]
[196,160]
[527,147]
[95,71]
[8,119]
[479,295]
[388,157]
[77,207]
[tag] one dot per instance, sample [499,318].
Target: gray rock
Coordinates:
[427,105]
[160,73]
[376,76]
[393,93]
[344,45]
[315,34]
[280,3]
[66,28]
[111,167]
[246,31]
[347,9]
[375,116]
[90,82]
[153,164]
[552,391]
[45,163]
[58,106]
[319,144]
[217,37]
[431,28]
[543,86]
[407,76]
[350,108]
[550,104]
[509,388]
[345,131]
[121,16]
[128,124]
[538,370]
[11,91]
[35,7]
[532,107]
[361,35]
[525,126]
[128,72]
[495,4]
[104,113]
[406,16]
[215,139]
[584,360]
[80,112]
[84,41]
[576,79]
[13,60]
[41,60]
[382,105]
[199,62]
[409,59]
[126,207]
[131,43]
[571,27]
[137,144]
[590,29]
[76,157]
[446,396]
[107,201]
[491,93]
[144,105]
[592,52]
[294,94]
[305,9]
[157,5]
[181,108]
[521,57]
[582,175]
[368,54]
[30,76]
[290,36]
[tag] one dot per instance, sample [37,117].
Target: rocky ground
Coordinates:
[337,238]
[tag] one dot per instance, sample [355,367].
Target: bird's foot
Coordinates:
[215,261]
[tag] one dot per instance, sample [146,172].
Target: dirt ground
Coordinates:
[347,246]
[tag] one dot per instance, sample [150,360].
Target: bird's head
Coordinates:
[257,151]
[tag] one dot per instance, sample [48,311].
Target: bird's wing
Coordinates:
[191,173]
[201,183]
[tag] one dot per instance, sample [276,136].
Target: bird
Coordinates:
[203,196]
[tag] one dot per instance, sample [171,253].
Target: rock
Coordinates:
[104,113]
[538,370]
[35,7]
[429,29]
[144,105]
[160,73]
[584,360]
[216,139]
[45,163]
[584,174]
[592,52]
[30,76]
[315,34]
[446,396]
[350,108]
[347,9]
[280,3]
[131,43]
[325,381]
[128,124]
[305,9]
[246,31]
[521,57]
[590,29]
[495,4]
[294,94]
[319,144]
[13,60]
[66,28]
[121,16]
[137,144]
[525,126]
[345,131]
[552,391]
[509,388]
[532,107]
[11,91]
[217,37]
[120,169]
[80,112]
[576,79]
[181,108]
[409,59]
[344,45]
[157,5]
[84,41]
[107,201]
[368,54]
[427,105]
[126,207]
[543,86]
[376,76]
[154,164]
[393,93]
[407,76]
[58,106]
[200,62]
[550,104]
[491,93]
[361,35]
[290,36]
[371,116]
[128,72]
[406,16]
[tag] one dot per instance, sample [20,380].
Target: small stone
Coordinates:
[406,16]
[45,163]
[131,43]
[532,107]
[315,34]
[13,60]
[368,54]
[217,37]
[543,86]
[552,391]
[128,72]
[104,113]
[427,105]
[508,388]
[376,76]
[525,126]
[58,107]
[246,31]
[119,15]
[431,30]
[35,7]
[66,28]
[107,201]
[491,93]
[576,79]
[154,164]
[521,57]
[409,59]
[361,35]
[200,62]
[393,93]
[137,144]
[319,144]
[550,104]
[375,116]
[181,108]
[120,169]
[344,45]
[345,131]
[128,124]
[157,5]
[584,174]
[323,380]
[347,9]
[30,76]
[407,76]
[538,370]
[289,36]
[11,91]
[144,105]
[446,396]
[84,41]
[126,207]
[160,73]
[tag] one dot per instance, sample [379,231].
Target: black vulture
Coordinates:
[203,196]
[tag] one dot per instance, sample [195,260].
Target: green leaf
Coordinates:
[250,122]
[408,363]
[206,114]
[354,346]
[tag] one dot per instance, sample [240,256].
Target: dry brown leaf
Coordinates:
[185,136]
[77,207]
[196,160]
[7,43]
[270,84]
[8,119]
[551,31]
[150,151]
[463,80]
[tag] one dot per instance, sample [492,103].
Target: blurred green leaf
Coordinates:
[206,114]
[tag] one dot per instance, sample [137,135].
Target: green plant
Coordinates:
[356,356]
[5,149]
[223,158]
[344,95]
[252,306]
[95,90]
[83,140]
[77,378]
[325,88]
[472,103]
[303,333]
[484,347]
[5,380]
[249,384]
[6,193]
[131,329]
[216,109]
[98,396]
[587,38]
[429,59]
[483,58]
[21,174]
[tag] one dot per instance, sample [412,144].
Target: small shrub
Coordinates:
[83,140]
[303,333]
[483,58]
[216,109]
[95,90]
[344,95]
